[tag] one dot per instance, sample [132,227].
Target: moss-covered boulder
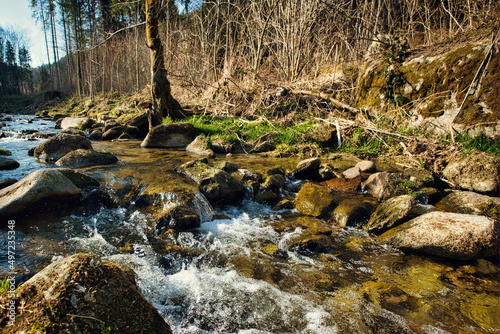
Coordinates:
[315,200]
[476,172]
[471,203]
[43,190]
[58,146]
[439,83]
[449,235]
[390,214]
[86,158]
[81,294]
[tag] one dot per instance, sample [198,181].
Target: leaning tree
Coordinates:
[163,102]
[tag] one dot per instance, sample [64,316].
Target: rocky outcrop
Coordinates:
[81,294]
[476,172]
[428,76]
[201,146]
[218,186]
[390,214]
[86,158]
[42,190]
[58,146]
[449,235]
[8,164]
[315,200]
[177,135]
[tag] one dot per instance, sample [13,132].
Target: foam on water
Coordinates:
[209,299]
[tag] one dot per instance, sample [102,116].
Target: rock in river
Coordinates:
[315,200]
[449,235]
[74,122]
[8,164]
[58,146]
[218,186]
[86,158]
[177,135]
[390,214]
[201,146]
[81,294]
[43,189]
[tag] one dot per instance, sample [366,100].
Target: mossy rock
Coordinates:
[390,213]
[80,294]
[315,200]
[426,83]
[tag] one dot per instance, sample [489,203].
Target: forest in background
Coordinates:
[212,44]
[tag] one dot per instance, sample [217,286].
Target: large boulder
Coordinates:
[177,135]
[86,158]
[476,172]
[448,235]
[58,146]
[81,294]
[390,214]
[8,164]
[471,203]
[42,190]
[218,186]
[315,200]
[77,122]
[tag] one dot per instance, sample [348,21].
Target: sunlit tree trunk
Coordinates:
[163,102]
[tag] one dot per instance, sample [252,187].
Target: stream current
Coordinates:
[237,272]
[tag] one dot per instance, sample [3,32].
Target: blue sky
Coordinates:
[17,13]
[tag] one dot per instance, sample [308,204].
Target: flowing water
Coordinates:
[243,270]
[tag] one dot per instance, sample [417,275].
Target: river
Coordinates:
[237,273]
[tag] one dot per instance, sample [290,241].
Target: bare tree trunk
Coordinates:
[163,102]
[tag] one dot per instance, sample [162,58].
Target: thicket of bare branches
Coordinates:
[221,42]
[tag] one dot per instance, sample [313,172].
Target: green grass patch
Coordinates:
[233,130]
[480,143]
[362,144]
